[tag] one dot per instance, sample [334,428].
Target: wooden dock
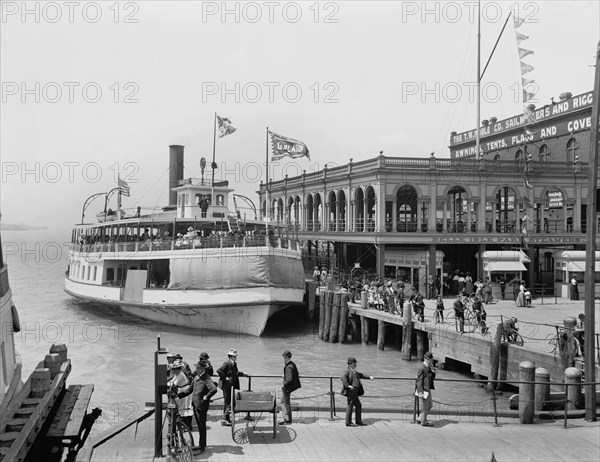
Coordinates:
[387,437]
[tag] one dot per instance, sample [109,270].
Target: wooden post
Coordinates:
[574,396]
[40,382]
[421,343]
[312,295]
[364,300]
[542,388]
[335,317]
[406,334]
[328,295]
[61,349]
[495,348]
[344,318]
[52,362]
[322,300]
[354,328]
[364,325]
[380,334]
[526,392]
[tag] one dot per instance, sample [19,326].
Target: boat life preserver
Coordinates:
[15,318]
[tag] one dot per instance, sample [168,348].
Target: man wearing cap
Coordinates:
[291,382]
[228,382]
[423,387]
[204,358]
[352,388]
[202,390]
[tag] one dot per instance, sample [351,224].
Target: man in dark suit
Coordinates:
[229,382]
[423,387]
[202,390]
[352,388]
[291,382]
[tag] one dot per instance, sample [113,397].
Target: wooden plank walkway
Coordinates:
[386,438]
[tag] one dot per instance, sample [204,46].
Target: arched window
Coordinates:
[519,156]
[572,149]
[497,157]
[544,153]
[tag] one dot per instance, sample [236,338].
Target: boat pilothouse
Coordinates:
[192,263]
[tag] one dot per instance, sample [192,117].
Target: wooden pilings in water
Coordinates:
[343,318]
[311,288]
[380,334]
[407,335]
[335,317]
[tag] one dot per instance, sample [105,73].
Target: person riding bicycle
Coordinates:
[459,311]
[480,314]
[510,329]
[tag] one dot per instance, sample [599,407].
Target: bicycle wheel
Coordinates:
[184,443]
[518,339]
[470,321]
[357,273]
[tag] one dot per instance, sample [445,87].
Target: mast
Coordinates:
[590,263]
[267,183]
[213,165]
[477,135]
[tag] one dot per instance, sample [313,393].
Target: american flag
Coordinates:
[124,187]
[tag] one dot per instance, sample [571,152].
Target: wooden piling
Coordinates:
[495,348]
[322,300]
[40,382]
[364,330]
[312,296]
[354,328]
[335,317]
[328,295]
[52,362]
[60,349]
[526,392]
[380,334]
[406,334]
[542,388]
[574,396]
[343,318]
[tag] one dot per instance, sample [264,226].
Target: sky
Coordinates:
[91,90]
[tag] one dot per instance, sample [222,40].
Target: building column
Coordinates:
[494,216]
[480,274]
[445,215]
[365,215]
[564,213]
[394,214]
[468,226]
[432,265]
[577,212]
[381,260]
[432,208]
[419,214]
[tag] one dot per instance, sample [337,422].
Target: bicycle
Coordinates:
[470,321]
[512,337]
[179,436]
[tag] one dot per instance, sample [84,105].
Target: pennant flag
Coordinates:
[520,37]
[527,96]
[523,52]
[225,127]
[518,21]
[123,187]
[287,147]
[525,68]
[526,82]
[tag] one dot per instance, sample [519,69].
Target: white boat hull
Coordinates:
[240,311]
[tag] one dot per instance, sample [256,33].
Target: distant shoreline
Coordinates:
[13,227]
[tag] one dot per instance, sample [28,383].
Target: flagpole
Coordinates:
[267,181]
[477,139]
[212,191]
[119,193]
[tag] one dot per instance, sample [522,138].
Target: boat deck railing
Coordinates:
[189,243]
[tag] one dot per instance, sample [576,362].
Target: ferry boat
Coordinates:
[192,263]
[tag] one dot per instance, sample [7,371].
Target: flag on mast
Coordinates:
[282,146]
[123,187]
[225,127]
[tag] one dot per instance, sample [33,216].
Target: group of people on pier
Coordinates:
[195,389]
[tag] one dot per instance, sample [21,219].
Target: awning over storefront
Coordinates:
[504,266]
[580,266]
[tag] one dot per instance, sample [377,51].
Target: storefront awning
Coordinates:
[504,266]
[574,266]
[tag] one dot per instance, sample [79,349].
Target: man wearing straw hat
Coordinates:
[229,382]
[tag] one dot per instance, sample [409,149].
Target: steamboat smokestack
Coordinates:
[175,171]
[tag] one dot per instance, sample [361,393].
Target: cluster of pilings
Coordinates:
[337,324]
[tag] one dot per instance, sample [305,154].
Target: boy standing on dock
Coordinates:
[291,382]
[229,382]
[352,388]
[423,387]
